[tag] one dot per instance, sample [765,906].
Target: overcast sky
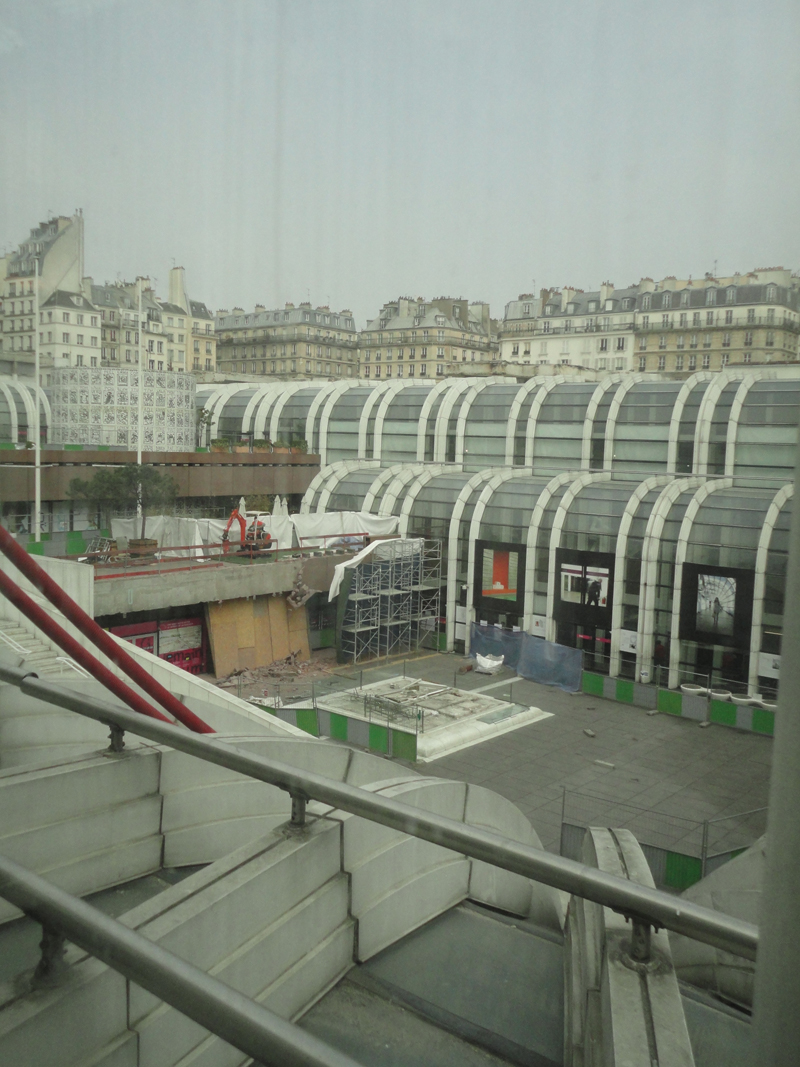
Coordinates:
[351,151]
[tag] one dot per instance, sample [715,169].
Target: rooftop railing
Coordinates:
[236,1018]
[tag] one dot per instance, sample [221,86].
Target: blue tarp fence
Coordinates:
[531,657]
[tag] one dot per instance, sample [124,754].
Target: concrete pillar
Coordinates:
[776,1020]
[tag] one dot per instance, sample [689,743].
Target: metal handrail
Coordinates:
[242,1022]
[641,903]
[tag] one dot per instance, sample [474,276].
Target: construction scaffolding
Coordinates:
[393,603]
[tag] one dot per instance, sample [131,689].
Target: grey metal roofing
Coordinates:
[60,298]
[172,309]
[198,310]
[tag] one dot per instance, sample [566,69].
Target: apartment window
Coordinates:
[208,348]
[751,314]
[515,350]
[728,318]
[679,362]
[730,296]
[78,359]
[65,338]
[684,299]
[692,362]
[80,339]
[93,361]
[439,370]
[65,316]
[772,292]
[79,319]
[681,341]
[711,296]
[683,319]
[150,345]
[770,315]
[706,360]
[726,340]
[662,341]
[642,344]
[603,344]
[272,366]
[161,364]
[693,341]
[93,320]
[151,363]
[160,348]
[665,322]
[748,337]
[127,355]
[746,357]
[620,344]
[725,359]
[642,362]
[646,302]
[709,318]
[696,318]
[706,340]
[770,339]
[423,370]
[618,363]
[546,327]
[662,362]
[666,300]
[645,322]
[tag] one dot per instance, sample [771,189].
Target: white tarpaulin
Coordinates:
[381,550]
[311,529]
[169,531]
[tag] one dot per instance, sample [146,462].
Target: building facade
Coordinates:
[293,343]
[50,260]
[672,326]
[685,326]
[426,339]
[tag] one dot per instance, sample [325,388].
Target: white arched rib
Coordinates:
[422,479]
[340,471]
[705,416]
[427,406]
[579,483]
[533,415]
[702,494]
[779,501]
[464,410]
[388,396]
[366,412]
[546,495]
[513,415]
[613,413]
[628,515]
[735,415]
[649,577]
[677,414]
[602,388]
[455,394]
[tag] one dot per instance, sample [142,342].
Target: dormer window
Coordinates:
[609,305]
[626,304]
[526,309]
[592,305]
[572,308]
[685,299]
[772,292]
[646,302]
[711,296]
[730,296]
[666,300]
[549,309]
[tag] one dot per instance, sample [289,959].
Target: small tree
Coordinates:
[115,489]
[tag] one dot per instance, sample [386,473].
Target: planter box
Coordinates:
[142,546]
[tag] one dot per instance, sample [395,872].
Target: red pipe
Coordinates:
[47,624]
[89,628]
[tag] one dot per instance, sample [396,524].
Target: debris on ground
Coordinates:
[463,670]
[291,678]
[605,763]
[590,733]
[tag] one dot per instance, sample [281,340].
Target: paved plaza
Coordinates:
[634,763]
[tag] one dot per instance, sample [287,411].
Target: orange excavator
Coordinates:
[254,536]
